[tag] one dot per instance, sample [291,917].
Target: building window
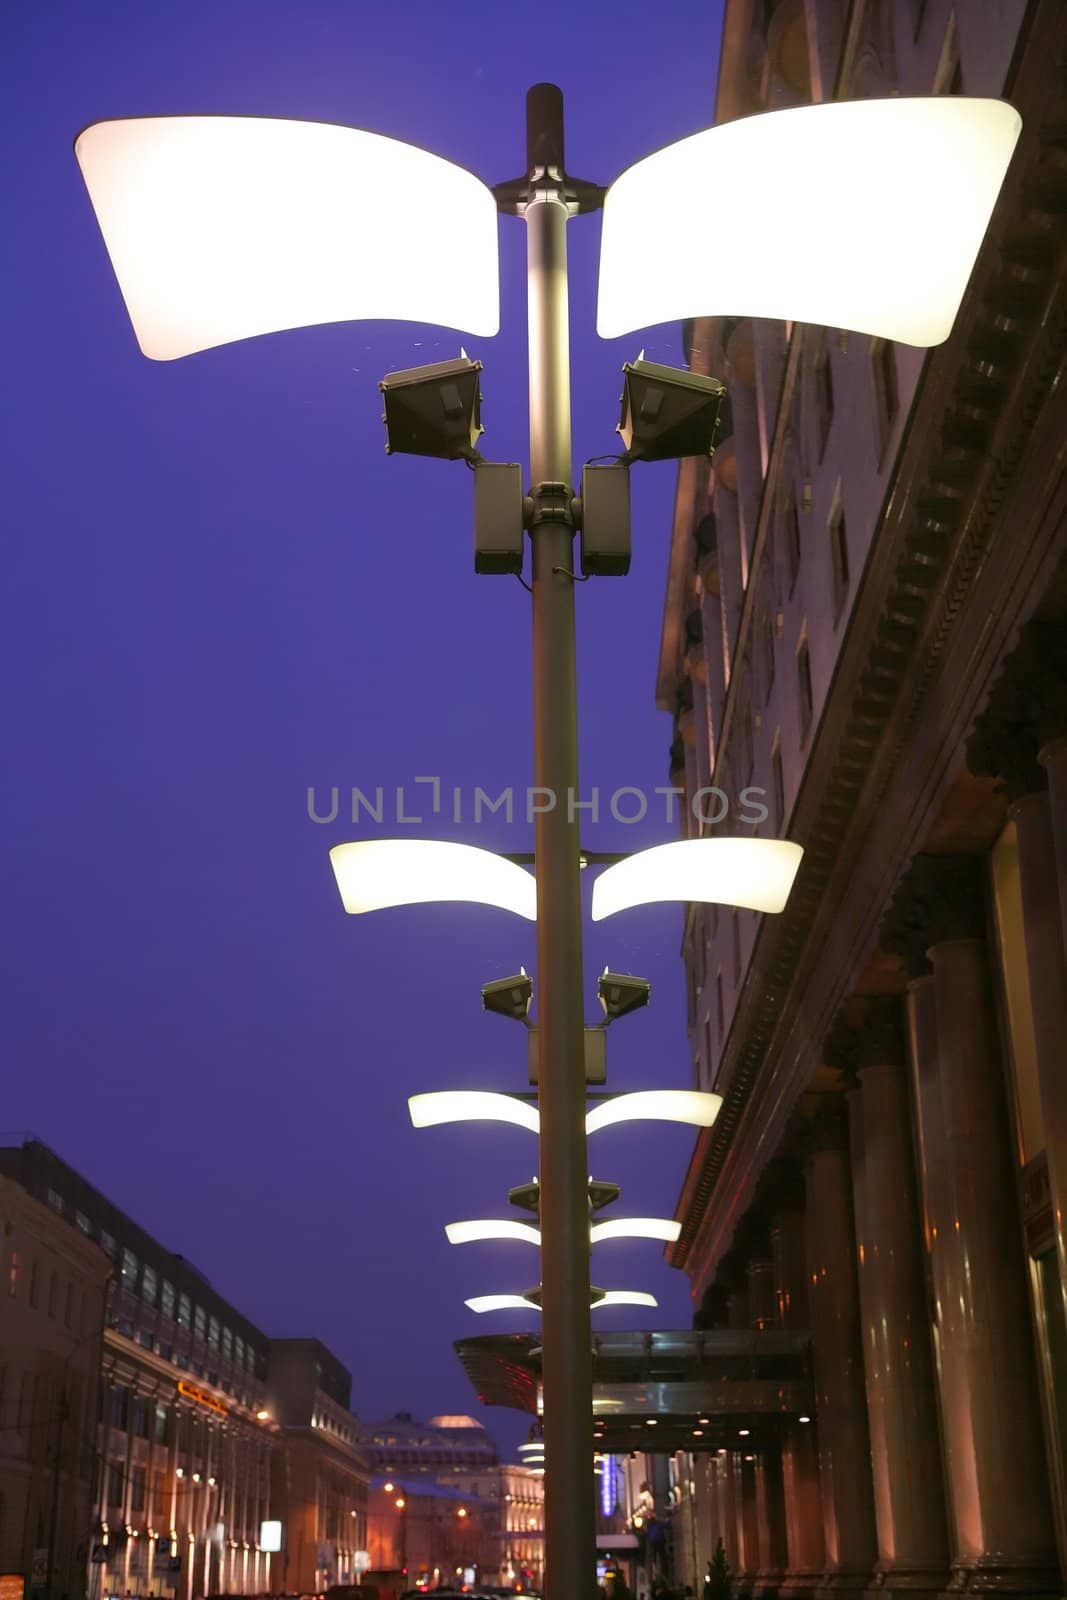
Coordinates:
[166,1300]
[767,636]
[227,1344]
[130,1265]
[84,1223]
[120,1408]
[55,1200]
[804,687]
[108,1245]
[239,1350]
[115,1484]
[886,388]
[824,394]
[213,1333]
[149,1284]
[185,1311]
[778,783]
[199,1322]
[792,539]
[839,557]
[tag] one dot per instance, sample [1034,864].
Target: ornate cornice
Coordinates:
[1026,709]
[974,419]
[939,898]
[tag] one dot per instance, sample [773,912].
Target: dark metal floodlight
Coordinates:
[434,410]
[509,997]
[620,993]
[668,413]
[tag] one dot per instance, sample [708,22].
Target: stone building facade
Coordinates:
[867,617]
[53,1297]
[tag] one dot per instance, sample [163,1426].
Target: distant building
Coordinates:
[183,1440]
[462,1506]
[53,1295]
[404,1445]
[321,1475]
[866,618]
[198,1429]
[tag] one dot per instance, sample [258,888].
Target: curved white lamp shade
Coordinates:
[480,1230]
[519,1302]
[756,874]
[219,228]
[476,1232]
[861,214]
[656,1105]
[636,1228]
[471,1105]
[624,1297]
[372,874]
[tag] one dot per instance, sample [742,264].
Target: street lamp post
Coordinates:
[221,228]
[567,1360]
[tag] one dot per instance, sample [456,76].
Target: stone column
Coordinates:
[1053,757]
[898,1359]
[747,1518]
[770,1518]
[1000,1525]
[1046,965]
[802,1506]
[844,1446]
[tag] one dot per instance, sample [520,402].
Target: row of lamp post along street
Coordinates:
[221,228]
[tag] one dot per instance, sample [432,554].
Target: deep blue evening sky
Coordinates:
[219,591]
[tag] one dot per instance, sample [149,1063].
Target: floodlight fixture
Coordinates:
[620,993]
[471,1105]
[668,413]
[891,197]
[373,874]
[434,410]
[221,228]
[756,874]
[509,997]
[694,1106]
